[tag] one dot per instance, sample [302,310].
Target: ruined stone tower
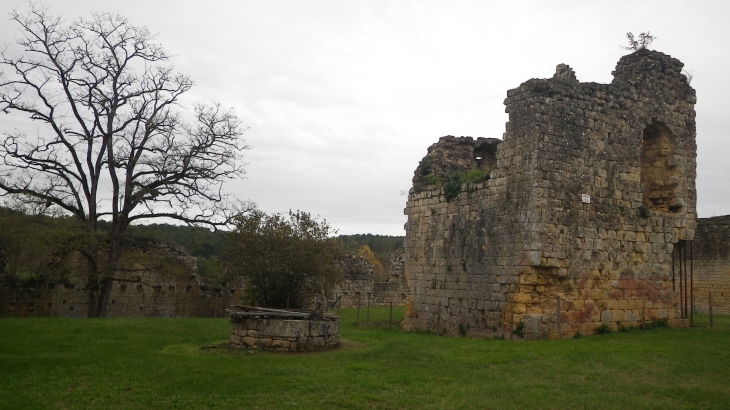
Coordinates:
[584,200]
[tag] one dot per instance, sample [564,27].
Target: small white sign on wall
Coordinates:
[585,198]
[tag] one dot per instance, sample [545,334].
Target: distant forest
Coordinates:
[37,237]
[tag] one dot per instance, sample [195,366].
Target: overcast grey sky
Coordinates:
[343,97]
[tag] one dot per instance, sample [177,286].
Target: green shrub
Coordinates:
[474,175]
[643,211]
[656,323]
[435,180]
[452,187]
[426,165]
[452,182]
[577,335]
[520,329]
[604,329]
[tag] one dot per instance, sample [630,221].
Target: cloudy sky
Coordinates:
[342,98]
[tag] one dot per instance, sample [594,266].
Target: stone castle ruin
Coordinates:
[155,279]
[583,205]
[159,279]
[358,284]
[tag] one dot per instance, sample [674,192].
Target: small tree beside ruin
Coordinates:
[378,269]
[287,260]
[642,43]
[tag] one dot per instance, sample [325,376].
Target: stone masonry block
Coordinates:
[284,328]
[324,328]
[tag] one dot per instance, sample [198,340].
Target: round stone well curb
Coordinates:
[283,330]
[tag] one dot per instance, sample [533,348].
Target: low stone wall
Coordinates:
[294,335]
[712,264]
[156,279]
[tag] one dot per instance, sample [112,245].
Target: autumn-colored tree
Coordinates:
[378,270]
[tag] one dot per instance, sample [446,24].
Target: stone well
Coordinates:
[294,331]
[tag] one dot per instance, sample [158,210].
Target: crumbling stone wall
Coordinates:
[711,252]
[156,279]
[487,253]
[395,288]
[358,283]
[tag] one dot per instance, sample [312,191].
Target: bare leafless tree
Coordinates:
[104,98]
[643,42]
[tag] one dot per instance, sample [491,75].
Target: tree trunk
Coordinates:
[105,293]
[102,280]
[94,276]
[93,303]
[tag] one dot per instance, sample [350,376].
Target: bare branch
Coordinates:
[104,99]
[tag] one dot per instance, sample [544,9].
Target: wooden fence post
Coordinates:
[511,318]
[691,284]
[358,310]
[710,309]
[367,311]
[643,312]
[390,319]
[560,327]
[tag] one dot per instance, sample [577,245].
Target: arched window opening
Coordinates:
[485,155]
[659,174]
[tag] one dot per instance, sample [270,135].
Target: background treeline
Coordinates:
[28,243]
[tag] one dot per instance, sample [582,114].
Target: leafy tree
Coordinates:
[382,246]
[212,269]
[285,259]
[101,95]
[378,270]
[29,243]
[643,42]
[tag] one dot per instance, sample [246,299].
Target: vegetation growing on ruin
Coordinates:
[426,165]
[643,211]
[378,270]
[641,43]
[382,246]
[179,363]
[452,187]
[452,183]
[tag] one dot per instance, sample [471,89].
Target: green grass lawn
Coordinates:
[159,363]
